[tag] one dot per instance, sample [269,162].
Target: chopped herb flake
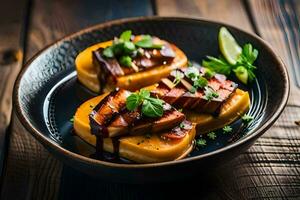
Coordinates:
[192,73]
[227,129]
[178,75]
[212,135]
[247,118]
[200,142]
[181,125]
[210,94]
[201,82]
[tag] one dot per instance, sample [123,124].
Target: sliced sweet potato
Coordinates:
[138,148]
[87,73]
[233,108]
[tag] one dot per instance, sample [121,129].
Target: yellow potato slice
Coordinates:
[233,108]
[87,74]
[154,149]
[139,148]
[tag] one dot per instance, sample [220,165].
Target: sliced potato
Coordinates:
[140,148]
[233,108]
[87,74]
[155,149]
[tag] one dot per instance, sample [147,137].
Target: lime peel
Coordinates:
[228,46]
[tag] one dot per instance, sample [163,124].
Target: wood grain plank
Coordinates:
[55,19]
[278,22]
[32,173]
[228,11]
[11,56]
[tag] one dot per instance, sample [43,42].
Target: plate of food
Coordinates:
[149,99]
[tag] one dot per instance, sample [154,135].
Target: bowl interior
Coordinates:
[49,93]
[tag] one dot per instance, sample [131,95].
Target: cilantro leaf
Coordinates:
[108,52]
[246,59]
[128,47]
[144,93]
[178,75]
[249,54]
[125,61]
[126,35]
[147,42]
[193,90]
[201,82]
[181,125]
[133,101]
[152,107]
[210,94]
[218,65]
[192,73]
[244,62]
[209,73]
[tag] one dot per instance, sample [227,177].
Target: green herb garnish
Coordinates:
[126,35]
[218,65]
[210,94]
[245,60]
[201,82]
[178,75]
[200,142]
[247,118]
[198,81]
[242,66]
[208,73]
[147,42]
[227,129]
[151,107]
[72,119]
[108,52]
[125,61]
[192,73]
[193,90]
[181,125]
[212,135]
[128,47]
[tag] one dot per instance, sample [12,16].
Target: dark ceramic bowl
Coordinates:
[47,94]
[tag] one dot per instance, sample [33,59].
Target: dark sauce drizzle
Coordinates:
[100,130]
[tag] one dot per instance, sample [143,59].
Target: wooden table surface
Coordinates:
[268,170]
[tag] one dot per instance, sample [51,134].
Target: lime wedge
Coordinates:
[228,46]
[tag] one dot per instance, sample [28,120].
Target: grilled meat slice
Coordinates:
[180,95]
[112,118]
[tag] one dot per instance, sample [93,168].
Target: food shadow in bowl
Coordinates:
[58,116]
